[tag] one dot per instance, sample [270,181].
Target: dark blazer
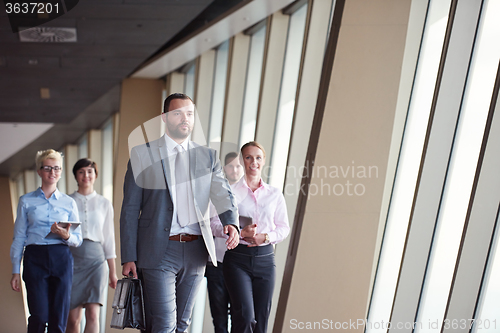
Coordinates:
[147,208]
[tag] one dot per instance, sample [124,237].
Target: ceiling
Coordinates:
[114,37]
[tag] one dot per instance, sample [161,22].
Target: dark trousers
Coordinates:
[217,296]
[250,274]
[48,273]
[170,289]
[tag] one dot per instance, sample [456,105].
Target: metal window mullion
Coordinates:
[409,166]
[461,179]
[479,229]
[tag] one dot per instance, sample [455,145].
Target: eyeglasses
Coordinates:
[47,168]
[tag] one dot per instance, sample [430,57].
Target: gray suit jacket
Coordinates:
[147,208]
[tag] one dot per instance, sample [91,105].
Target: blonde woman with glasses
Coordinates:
[48,263]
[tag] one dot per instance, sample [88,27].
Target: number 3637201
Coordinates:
[31,8]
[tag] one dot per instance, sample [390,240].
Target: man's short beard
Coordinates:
[232,179]
[177,134]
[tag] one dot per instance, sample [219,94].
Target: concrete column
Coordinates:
[141,101]
[13,319]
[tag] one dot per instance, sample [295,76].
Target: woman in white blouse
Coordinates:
[90,274]
[249,269]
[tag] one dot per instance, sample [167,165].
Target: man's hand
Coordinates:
[15,282]
[234,237]
[129,267]
[60,231]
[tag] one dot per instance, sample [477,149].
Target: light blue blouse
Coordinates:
[35,216]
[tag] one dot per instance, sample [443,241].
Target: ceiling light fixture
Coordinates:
[44,93]
[48,35]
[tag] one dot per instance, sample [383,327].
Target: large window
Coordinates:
[83,146]
[488,315]
[252,87]
[288,91]
[189,82]
[106,170]
[422,282]
[462,169]
[61,184]
[218,93]
[409,161]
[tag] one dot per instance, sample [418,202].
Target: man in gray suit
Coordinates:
[165,223]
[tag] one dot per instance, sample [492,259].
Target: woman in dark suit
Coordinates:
[249,269]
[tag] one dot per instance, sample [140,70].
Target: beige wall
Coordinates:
[333,267]
[12,315]
[141,101]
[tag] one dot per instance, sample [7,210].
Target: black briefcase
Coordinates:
[128,305]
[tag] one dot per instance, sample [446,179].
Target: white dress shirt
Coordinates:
[193,228]
[96,215]
[220,241]
[266,206]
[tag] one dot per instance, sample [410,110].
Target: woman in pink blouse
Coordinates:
[250,269]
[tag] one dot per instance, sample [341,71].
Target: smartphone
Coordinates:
[244,221]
